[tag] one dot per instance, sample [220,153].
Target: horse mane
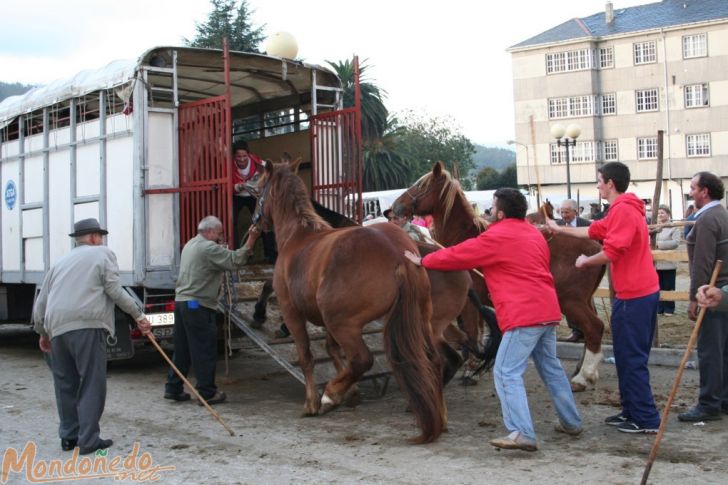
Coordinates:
[295,203]
[450,192]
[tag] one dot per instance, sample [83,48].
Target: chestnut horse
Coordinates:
[342,279]
[452,297]
[437,194]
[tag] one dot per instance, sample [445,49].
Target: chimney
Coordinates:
[609,13]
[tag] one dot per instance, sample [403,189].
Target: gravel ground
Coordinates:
[366,443]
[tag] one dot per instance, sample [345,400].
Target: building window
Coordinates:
[695,46]
[647,100]
[606,57]
[609,104]
[609,151]
[647,148]
[698,145]
[645,52]
[571,107]
[577,60]
[583,152]
[696,96]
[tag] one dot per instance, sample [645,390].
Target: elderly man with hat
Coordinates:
[74,314]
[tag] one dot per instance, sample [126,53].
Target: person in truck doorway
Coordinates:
[247,168]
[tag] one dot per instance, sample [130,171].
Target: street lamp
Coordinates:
[528,169]
[572,132]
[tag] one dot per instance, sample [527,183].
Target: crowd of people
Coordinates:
[74,311]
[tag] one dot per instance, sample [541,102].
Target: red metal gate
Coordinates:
[204,165]
[336,157]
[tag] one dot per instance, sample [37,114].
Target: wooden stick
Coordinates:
[653,227]
[666,412]
[535,167]
[184,379]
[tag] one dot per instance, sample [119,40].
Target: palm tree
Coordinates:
[373,112]
[384,166]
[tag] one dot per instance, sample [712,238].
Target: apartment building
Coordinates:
[622,75]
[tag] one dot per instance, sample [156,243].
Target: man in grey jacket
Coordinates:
[201,268]
[74,313]
[708,242]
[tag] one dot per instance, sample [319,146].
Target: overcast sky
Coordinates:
[444,58]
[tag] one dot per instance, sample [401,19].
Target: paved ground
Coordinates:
[362,444]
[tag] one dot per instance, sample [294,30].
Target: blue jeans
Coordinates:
[633,328]
[511,361]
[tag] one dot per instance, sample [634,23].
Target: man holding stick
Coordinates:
[74,314]
[708,242]
[202,265]
[626,245]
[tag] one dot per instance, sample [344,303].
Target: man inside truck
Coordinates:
[247,168]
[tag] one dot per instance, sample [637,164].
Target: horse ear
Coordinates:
[268,167]
[295,164]
[437,168]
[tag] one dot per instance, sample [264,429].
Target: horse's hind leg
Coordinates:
[585,316]
[359,360]
[297,326]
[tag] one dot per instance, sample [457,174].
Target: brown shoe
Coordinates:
[515,441]
[561,428]
[217,398]
[574,337]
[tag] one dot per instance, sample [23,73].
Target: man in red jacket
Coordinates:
[626,245]
[514,257]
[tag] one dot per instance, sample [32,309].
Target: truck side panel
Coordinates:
[11,217]
[59,210]
[120,200]
[161,164]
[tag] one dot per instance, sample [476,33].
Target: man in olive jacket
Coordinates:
[74,313]
[202,265]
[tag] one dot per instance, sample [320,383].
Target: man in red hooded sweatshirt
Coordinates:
[626,245]
[514,257]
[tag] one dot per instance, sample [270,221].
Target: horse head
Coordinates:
[423,197]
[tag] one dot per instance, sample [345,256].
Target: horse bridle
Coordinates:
[260,213]
[414,200]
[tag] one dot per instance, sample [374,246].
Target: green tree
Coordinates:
[373,112]
[423,141]
[488,179]
[384,167]
[491,179]
[231,21]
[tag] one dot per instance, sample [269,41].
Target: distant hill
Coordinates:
[12,89]
[496,158]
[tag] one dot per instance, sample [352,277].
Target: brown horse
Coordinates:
[436,193]
[342,279]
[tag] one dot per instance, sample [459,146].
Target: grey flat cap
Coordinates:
[87,226]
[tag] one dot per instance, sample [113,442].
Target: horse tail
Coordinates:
[414,360]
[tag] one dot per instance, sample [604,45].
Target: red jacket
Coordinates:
[255,164]
[627,245]
[514,257]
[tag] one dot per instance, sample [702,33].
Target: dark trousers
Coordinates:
[713,362]
[270,251]
[633,328]
[195,345]
[78,362]
[667,283]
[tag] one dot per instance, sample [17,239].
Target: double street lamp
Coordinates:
[566,137]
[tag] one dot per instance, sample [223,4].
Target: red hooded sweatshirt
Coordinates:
[627,245]
[514,257]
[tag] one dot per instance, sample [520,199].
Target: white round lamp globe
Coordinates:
[282,44]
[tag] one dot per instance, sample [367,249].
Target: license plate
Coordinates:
[161,319]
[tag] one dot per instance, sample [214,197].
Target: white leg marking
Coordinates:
[589,368]
[326,400]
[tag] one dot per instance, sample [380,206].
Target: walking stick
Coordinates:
[666,412]
[184,379]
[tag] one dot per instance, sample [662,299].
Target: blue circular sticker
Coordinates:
[11,194]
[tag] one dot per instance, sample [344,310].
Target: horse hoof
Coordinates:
[327,404]
[468,381]
[577,387]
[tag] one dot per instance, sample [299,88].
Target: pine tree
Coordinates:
[227,20]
